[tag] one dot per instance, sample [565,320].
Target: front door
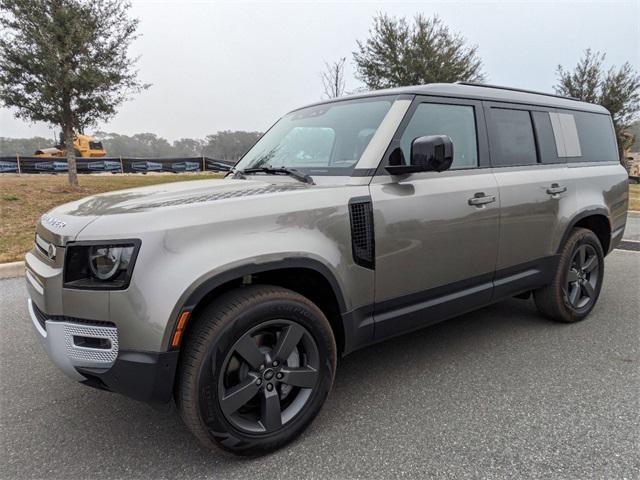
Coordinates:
[436,234]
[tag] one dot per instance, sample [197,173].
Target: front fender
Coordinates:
[201,287]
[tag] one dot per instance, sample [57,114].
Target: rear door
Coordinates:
[436,234]
[536,193]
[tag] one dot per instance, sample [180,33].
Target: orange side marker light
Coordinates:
[177,336]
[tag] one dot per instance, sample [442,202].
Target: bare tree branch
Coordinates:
[333,78]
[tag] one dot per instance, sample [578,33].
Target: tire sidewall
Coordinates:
[218,428]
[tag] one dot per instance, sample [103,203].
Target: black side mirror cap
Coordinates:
[432,153]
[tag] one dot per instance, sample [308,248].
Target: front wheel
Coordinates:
[576,285]
[256,369]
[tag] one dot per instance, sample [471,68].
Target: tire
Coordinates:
[246,380]
[577,282]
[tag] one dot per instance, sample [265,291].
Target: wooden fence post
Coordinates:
[121,167]
[204,167]
[18,160]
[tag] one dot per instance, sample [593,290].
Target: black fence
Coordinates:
[20,164]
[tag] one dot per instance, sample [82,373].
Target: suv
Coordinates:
[348,222]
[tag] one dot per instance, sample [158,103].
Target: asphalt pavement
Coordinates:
[498,393]
[632,229]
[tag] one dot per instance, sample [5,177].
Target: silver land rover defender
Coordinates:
[348,222]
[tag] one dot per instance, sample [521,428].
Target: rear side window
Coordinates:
[513,142]
[584,137]
[597,141]
[456,121]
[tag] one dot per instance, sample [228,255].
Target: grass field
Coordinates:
[23,198]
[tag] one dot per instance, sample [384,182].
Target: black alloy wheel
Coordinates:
[268,376]
[582,277]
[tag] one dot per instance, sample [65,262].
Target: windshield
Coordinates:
[325,139]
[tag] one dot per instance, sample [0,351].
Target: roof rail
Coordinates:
[499,87]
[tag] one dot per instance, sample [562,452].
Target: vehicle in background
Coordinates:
[84,145]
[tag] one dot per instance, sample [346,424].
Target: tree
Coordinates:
[333,78]
[400,53]
[229,145]
[188,147]
[23,146]
[617,90]
[65,62]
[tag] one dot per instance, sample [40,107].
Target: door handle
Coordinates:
[480,199]
[556,188]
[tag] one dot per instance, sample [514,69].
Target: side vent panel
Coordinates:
[362,239]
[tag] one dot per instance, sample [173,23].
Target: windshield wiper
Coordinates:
[292,172]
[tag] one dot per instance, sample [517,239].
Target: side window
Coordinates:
[584,136]
[546,138]
[513,141]
[456,121]
[597,141]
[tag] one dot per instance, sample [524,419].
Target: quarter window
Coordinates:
[513,142]
[456,121]
[597,138]
[584,136]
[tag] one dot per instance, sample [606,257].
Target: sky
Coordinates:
[218,65]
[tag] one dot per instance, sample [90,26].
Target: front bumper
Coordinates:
[60,340]
[88,352]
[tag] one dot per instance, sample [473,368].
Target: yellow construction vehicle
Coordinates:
[84,146]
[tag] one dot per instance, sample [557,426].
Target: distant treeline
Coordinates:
[225,145]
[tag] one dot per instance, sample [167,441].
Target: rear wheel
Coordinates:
[576,285]
[256,369]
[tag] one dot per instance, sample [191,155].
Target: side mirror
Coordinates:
[433,153]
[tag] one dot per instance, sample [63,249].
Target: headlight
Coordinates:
[100,265]
[106,262]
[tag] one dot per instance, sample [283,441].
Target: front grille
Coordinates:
[362,234]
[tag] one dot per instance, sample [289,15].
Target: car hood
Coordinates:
[65,222]
[169,194]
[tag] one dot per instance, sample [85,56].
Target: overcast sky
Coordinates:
[240,65]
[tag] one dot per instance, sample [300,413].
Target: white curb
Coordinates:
[13,269]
